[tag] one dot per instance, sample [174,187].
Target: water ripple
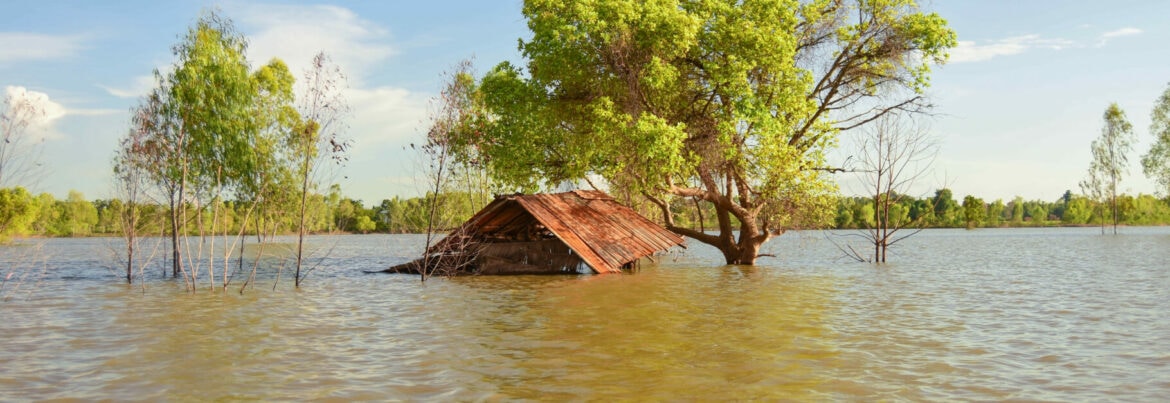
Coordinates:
[1034,314]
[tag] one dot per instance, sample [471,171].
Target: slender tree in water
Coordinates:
[1110,161]
[130,178]
[318,139]
[893,155]
[450,153]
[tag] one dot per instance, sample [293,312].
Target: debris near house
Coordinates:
[571,232]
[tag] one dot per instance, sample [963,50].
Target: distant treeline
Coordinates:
[25,214]
[943,211]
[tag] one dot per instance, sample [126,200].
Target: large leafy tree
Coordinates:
[729,103]
[269,185]
[1110,160]
[1156,161]
[201,123]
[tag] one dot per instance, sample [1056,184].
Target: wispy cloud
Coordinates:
[971,51]
[1127,31]
[93,111]
[140,86]
[26,46]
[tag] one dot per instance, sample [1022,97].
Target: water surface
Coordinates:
[1035,314]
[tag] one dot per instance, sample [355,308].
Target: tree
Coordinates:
[1037,212]
[19,151]
[1017,210]
[79,215]
[319,137]
[1156,161]
[364,224]
[198,119]
[945,207]
[201,128]
[130,184]
[892,157]
[1077,212]
[449,146]
[974,210]
[729,103]
[17,210]
[995,213]
[270,187]
[1110,160]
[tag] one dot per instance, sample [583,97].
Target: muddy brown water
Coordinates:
[1035,314]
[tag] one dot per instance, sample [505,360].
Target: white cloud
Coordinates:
[93,112]
[381,114]
[24,46]
[970,51]
[41,111]
[384,118]
[140,86]
[1127,31]
[296,33]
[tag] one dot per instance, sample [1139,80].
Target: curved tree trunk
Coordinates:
[743,251]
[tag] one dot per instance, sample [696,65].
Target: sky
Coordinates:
[1016,109]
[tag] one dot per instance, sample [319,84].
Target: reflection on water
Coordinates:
[1046,314]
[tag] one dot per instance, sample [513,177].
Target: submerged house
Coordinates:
[569,232]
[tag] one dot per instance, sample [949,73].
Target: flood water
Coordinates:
[1030,314]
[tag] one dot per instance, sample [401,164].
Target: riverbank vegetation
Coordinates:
[28,215]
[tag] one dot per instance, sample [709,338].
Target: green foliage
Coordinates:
[1110,160]
[1156,161]
[1067,210]
[726,101]
[1078,211]
[946,209]
[1017,208]
[364,224]
[995,212]
[212,96]
[1037,213]
[43,215]
[17,211]
[974,211]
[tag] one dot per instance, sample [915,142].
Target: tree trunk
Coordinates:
[130,261]
[129,231]
[752,234]
[749,250]
[301,222]
[176,258]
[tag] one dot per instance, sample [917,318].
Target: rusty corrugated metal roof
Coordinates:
[604,233]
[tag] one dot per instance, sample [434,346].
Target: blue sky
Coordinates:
[1017,106]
